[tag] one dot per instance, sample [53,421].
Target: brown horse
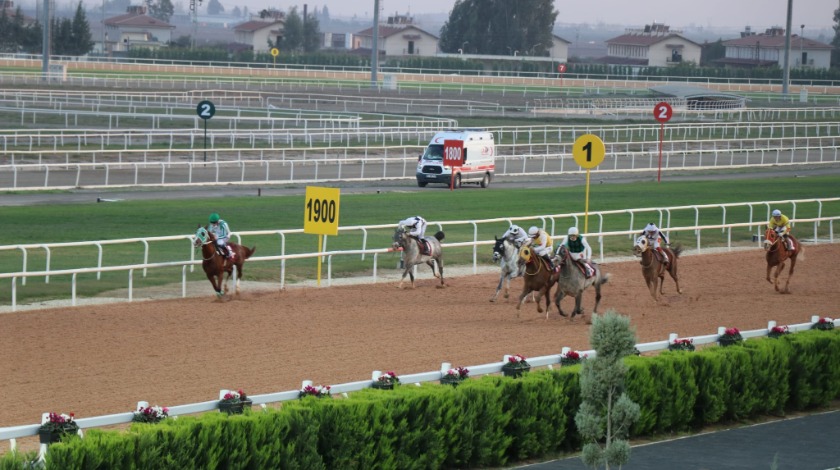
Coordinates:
[654,269]
[215,265]
[777,254]
[538,278]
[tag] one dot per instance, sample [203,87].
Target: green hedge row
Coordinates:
[489,421]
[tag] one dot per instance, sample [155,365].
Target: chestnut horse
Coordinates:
[538,278]
[654,269]
[777,254]
[215,265]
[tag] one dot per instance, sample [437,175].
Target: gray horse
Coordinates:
[506,254]
[413,256]
[572,282]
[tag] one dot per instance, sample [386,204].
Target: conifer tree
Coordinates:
[606,412]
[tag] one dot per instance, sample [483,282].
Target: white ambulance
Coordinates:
[479,154]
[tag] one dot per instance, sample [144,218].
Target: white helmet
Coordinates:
[777,213]
[533,231]
[573,231]
[651,227]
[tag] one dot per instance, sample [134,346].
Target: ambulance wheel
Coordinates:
[485,181]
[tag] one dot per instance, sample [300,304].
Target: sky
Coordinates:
[676,13]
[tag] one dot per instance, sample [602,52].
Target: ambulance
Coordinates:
[479,157]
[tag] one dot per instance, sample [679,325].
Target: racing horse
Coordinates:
[538,278]
[777,254]
[215,265]
[413,255]
[573,282]
[653,269]
[506,254]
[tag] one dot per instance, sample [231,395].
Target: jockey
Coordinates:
[516,235]
[654,235]
[416,227]
[781,225]
[579,249]
[220,229]
[541,244]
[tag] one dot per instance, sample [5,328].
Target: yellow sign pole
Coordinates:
[588,151]
[320,215]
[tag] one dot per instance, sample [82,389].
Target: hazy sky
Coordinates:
[677,13]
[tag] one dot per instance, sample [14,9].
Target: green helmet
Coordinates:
[214,217]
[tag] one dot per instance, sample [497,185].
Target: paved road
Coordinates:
[802,443]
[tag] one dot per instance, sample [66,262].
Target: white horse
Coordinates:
[413,255]
[506,254]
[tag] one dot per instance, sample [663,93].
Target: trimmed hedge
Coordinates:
[483,422]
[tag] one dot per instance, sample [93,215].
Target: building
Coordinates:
[256,33]
[399,37]
[559,49]
[768,49]
[136,29]
[654,46]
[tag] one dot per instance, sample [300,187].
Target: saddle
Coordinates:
[425,246]
[582,266]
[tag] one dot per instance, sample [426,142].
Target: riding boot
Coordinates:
[664,255]
[550,263]
[231,255]
[788,243]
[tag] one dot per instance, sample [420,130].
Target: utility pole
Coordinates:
[786,79]
[45,49]
[374,53]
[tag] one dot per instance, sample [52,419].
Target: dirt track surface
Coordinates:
[97,360]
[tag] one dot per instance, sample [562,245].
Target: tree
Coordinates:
[311,34]
[606,412]
[835,52]
[237,13]
[292,32]
[80,33]
[215,8]
[162,10]
[499,27]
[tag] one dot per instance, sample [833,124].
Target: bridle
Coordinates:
[204,242]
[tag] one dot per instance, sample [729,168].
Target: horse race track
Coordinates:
[97,360]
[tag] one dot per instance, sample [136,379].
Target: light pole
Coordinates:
[801,40]
[464,45]
[534,47]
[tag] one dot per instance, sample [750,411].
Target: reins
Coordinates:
[539,268]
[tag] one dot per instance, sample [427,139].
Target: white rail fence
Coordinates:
[16,432]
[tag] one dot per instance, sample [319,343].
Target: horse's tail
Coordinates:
[605,278]
[248,251]
[439,235]
[678,249]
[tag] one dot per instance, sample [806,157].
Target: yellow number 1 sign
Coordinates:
[588,152]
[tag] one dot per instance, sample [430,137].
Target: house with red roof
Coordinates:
[136,29]
[257,32]
[398,37]
[768,49]
[654,46]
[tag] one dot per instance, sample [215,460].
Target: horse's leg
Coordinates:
[672,270]
[578,300]
[507,284]
[525,292]
[439,262]
[238,275]
[769,268]
[216,284]
[499,288]
[651,283]
[779,270]
[405,273]
[558,298]
[597,285]
[431,264]
[790,274]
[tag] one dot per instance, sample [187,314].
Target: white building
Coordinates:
[768,49]
[654,46]
[399,37]
[256,33]
[136,29]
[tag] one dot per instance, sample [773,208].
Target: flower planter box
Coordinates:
[51,436]
[382,385]
[565,361]
[235,408]
[515,370]
[450,381]
[729,341]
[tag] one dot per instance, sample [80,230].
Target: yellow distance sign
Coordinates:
[274,51]
[589,151]
[320,211]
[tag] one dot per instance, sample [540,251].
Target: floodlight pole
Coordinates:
[45,61]
[786,79]
[374,53]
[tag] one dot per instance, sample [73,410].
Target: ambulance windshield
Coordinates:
[434,153]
